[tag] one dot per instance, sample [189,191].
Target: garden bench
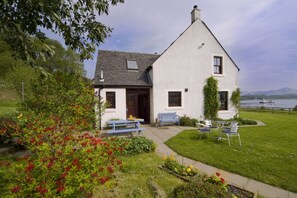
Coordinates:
[168,118]
[124,126]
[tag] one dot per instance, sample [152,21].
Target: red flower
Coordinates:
[66,138]
[110,169]
[63,175]
[222,180]
[218,174]
[84,144]
[29,168]
[41,190]
[49,165]
[67,168]
[94,174]
[15,189]
[89,151]
[60,188]
[119,162]
[109,152]
[75,162]
[103,180]
[32,140]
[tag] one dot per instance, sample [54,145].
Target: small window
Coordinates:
[110,99]
[174,99]
[218,65]
[223,100]
[132,65]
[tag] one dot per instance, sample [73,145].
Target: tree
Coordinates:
[23,23]
[63,60]
[211,104]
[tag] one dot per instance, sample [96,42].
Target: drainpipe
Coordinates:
[99,95]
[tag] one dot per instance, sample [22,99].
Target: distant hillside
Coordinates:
[283,93]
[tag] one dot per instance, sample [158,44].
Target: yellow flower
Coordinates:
[189,170]
[21,115]
[191,166]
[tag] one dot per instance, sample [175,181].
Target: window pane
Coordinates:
[174,99]
[217,64]
[110,99]
[132,64]
[223,100]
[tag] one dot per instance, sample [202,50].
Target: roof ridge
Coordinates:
[129,52]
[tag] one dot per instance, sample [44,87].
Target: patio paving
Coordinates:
[161,134]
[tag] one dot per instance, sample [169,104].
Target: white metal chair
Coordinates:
[204,127]
[232,131]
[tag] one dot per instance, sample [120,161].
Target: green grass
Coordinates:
[8,101]
[7,107]
[132,181]
[267,154]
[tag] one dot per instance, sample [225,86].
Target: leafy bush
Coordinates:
[187,121]
[200,189]
[134,145]
[139,145]
[63,163]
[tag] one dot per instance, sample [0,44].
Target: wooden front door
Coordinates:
[138,103]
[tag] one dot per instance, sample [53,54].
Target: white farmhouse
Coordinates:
[143,85]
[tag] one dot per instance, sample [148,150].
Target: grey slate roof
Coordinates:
[115,71]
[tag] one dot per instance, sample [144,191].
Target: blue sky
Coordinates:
[260,35]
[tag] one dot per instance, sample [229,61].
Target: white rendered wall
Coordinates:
[120,111]
[187,63]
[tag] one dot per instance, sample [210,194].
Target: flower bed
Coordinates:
[186,173]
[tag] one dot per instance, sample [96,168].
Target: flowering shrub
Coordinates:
[63,162]
[219,180]
[171,163]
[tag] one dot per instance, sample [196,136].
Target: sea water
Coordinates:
[282,103]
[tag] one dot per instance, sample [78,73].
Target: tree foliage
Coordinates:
[63,60]
[23,23]
[66,95]
[211,104]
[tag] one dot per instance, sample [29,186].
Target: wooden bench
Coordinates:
[124,126]
[168,118]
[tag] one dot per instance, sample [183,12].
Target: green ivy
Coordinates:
[235,98]
[211,105]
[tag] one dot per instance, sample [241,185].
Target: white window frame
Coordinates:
[182,99]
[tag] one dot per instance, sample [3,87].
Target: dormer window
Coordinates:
[132,65]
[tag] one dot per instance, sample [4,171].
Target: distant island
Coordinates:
[283,93]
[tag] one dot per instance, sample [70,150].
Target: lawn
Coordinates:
[268,153]
[8,101]
[7,106]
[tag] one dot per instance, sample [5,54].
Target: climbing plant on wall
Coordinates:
[235,99]
[211,104]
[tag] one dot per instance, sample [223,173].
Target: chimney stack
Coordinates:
[195,14]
